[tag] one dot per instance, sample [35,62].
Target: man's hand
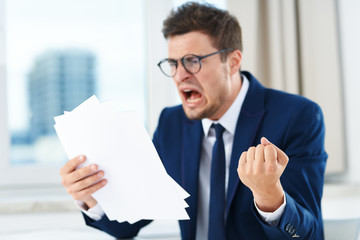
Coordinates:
[260,169]
[81,183]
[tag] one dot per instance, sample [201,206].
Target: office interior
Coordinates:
[111,48]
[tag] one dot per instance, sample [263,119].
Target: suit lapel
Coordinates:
[247,126]
[192,138]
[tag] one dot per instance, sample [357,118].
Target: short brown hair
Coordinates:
[223,28]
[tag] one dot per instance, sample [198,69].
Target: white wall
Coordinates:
[161,89]
[293,46]
[350,45]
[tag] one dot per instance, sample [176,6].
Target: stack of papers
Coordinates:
[138,185]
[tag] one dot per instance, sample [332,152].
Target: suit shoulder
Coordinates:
[170,113]
[288,100]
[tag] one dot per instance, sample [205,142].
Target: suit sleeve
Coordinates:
[116,229]
[303,177]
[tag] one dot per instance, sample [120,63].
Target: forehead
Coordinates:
[189,43]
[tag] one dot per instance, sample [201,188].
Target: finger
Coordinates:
[264,141]
[259,153]
[82,173]
[89,190]
[242,163]
[72,164]
[270,154]
[242,160]
[271,163]
[86,182]
[281,156]
[251,154]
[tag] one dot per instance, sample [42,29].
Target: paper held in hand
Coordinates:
[138,185]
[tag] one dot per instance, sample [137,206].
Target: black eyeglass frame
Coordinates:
[183,64]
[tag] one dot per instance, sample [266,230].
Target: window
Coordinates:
[57,54]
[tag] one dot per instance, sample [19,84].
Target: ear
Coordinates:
[234,60]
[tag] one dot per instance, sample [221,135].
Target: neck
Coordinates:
[235,86]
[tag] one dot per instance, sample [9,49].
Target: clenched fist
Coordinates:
[260,169]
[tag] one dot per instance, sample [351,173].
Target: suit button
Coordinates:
[287,227]
[290,229]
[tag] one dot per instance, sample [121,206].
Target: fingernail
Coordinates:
[100,174]
[81,158]
[267,141]
[93,167]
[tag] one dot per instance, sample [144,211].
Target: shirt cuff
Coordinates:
[95,213]
[272,218]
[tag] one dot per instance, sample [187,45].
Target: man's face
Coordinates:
[206,94]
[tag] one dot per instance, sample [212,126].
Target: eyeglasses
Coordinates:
[190,62]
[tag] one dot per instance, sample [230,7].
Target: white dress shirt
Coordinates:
[228,121]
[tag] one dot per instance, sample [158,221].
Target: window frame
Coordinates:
[155,83]
[48,176]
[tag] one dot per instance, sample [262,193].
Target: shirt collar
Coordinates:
[229,119]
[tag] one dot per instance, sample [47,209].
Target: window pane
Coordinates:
[59,53]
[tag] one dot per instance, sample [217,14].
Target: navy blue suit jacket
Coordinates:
[293,123]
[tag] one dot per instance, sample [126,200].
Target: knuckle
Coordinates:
[89,181]
[69,191]
[271,169]
[76,196]
[64,168]
[68,164]
[82,184]
[243,157]
[88,191]
[77,175]
[260,146]
[270,148]
[63,181]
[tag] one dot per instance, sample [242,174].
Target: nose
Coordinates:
[181,74]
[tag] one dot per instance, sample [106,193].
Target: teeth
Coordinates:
[194,100]
[187,90]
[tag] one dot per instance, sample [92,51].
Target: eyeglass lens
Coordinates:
[190,62]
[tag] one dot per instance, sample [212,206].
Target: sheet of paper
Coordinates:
[138,185]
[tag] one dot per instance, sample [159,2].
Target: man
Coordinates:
[217,144]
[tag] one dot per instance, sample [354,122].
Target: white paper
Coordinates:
[138,186]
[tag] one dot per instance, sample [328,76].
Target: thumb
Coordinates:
[281,156]
[264,141]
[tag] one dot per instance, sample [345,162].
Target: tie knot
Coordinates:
[219,130]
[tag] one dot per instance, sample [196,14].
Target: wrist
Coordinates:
[89,203]
[270,200]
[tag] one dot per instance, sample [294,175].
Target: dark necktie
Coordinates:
[217,188]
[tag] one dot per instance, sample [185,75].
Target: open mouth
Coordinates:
[192,96]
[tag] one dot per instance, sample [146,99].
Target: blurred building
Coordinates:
[59,81]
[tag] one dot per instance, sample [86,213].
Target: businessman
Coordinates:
[252,158]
